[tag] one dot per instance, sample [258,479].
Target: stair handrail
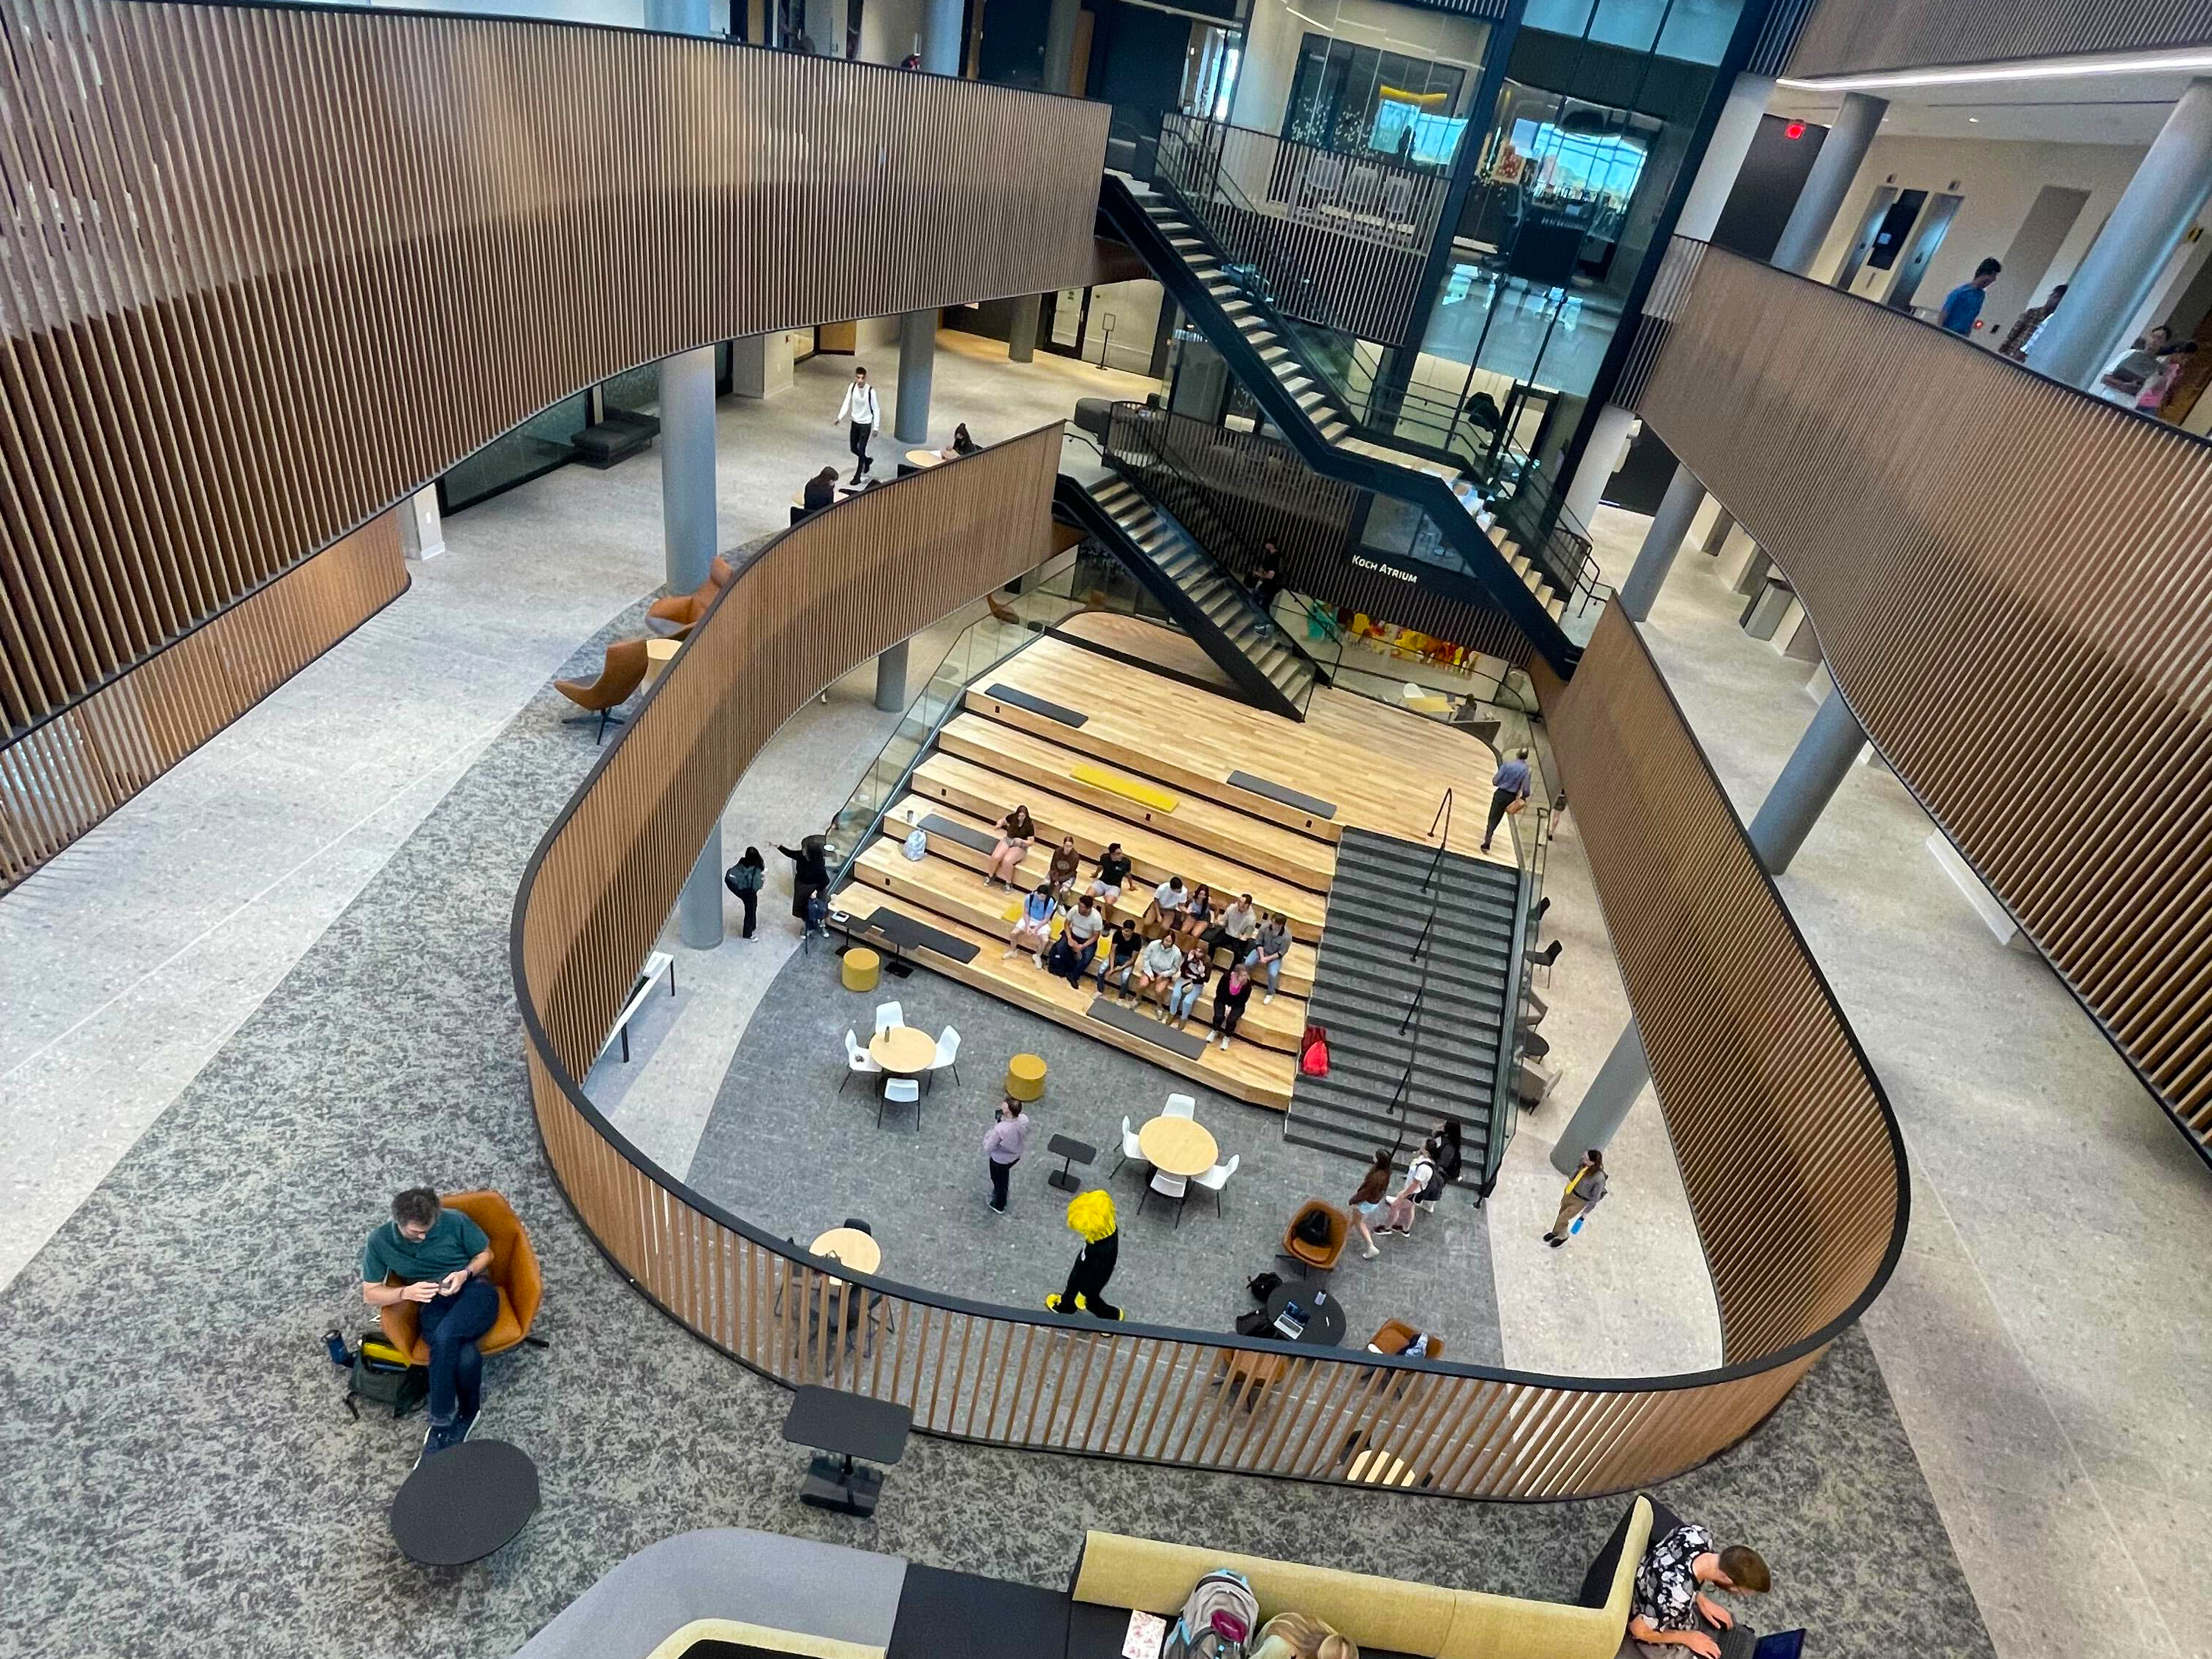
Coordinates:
[1518,971]
[1443,817]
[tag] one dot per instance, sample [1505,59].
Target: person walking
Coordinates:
[809,873]
[1962,306]
[1509,784]
[745,878]
[1091,1218]
[2022,334]
[1583,1195]
[861,412]
[1004,1143]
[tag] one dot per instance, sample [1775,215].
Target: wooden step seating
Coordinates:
[952,784]
[1244,836]
[949,890]
[1297,967]
[1381,768]
[1251,1072]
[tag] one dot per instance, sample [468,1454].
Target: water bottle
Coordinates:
[335,1345]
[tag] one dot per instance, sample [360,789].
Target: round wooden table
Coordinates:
[659,654]
[854,1249]
[902,1051]
[924,457]
[1178,1146]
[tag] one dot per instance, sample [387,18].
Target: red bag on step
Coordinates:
[1313,1052]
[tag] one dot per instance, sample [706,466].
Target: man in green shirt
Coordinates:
[439,1258]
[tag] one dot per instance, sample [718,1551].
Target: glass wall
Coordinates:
[1591,127]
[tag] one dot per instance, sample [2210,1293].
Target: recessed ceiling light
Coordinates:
[2042,69]
[1973,118]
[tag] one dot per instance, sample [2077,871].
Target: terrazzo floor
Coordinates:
[183,1479]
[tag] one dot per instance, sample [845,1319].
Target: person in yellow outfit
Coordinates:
[1580,1197]
[1091,1218]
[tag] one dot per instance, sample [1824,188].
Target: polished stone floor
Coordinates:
[2043,1334]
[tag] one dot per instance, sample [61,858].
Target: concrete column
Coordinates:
[940,35]
[1829,182]
[917,356]
[1605,1104]
[1661,542]
[422,530]
[1717,537]
[1022,332]
[699,907]
[1723,157]
[1810,777]
[1602,459]
[687,466]
[2114,280]
[890,679]
[1059,44]
[760,366]
[680,16]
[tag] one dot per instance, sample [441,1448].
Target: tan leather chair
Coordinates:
[513,1275]
[1396,1334]
[621,673]
[1317,1258]
[675,617]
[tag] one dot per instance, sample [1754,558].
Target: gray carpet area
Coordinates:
[181,1479]
[789,1148]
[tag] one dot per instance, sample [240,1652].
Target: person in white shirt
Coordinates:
[1169,900]
[860,413]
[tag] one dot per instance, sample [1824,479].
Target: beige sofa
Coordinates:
[1386,1613]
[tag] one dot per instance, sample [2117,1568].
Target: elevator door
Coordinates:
[1877,213]
[1927,236]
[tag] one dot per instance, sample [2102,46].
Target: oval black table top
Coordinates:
[1322,1312]
[465,1503]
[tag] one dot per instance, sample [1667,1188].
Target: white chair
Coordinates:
[1131,1147]
[903,1092]
[948,1053]
[1218,1177]
[858,1060]
[889,1015]
[1167,1186]
[1181,1106]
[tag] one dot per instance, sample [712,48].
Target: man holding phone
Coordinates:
[440,1258]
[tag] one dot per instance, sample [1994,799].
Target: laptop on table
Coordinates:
[1742,1642]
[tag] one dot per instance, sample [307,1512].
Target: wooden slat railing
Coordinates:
[265,270]
[1846,37]
[849,582]
[2017,603]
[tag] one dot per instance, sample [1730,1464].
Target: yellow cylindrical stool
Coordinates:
[1025,1078]
[861,969]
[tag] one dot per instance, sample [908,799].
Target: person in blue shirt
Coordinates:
[440,1258]
[1962,306]
[1508,785]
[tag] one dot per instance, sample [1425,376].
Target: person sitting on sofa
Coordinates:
[440,1258]
[1670,1609]
[1301,1636]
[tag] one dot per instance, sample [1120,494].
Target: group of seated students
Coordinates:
[1166,956]
[1377,1212]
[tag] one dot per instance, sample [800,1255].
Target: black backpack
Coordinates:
[1313,1228]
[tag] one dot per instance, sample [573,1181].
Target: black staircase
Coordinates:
[1415,1007]
[1203,599]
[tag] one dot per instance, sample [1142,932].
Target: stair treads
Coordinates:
[1107,1011]
[1261,1076]
[948,780]
[936,823]
[1021,754]
[1050,710]
[1320,809]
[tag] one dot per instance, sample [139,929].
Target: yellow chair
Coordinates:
[862,969]
[1025,1078]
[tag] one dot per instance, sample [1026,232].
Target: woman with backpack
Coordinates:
[745,878]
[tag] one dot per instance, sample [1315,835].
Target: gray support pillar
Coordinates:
[1723,158]
[1059,44]
[917,356]
[940,35]
[1022,332]
[1601,459]
[1605,1104]
[1656,556]
[699,907]
[680,16]
[890,679]
[2155,211]
[687,466]
[1810,777]
[1829,182]
[1716,538]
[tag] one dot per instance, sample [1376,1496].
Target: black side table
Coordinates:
[846,1426]
[465,1503]
[1068,1152]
